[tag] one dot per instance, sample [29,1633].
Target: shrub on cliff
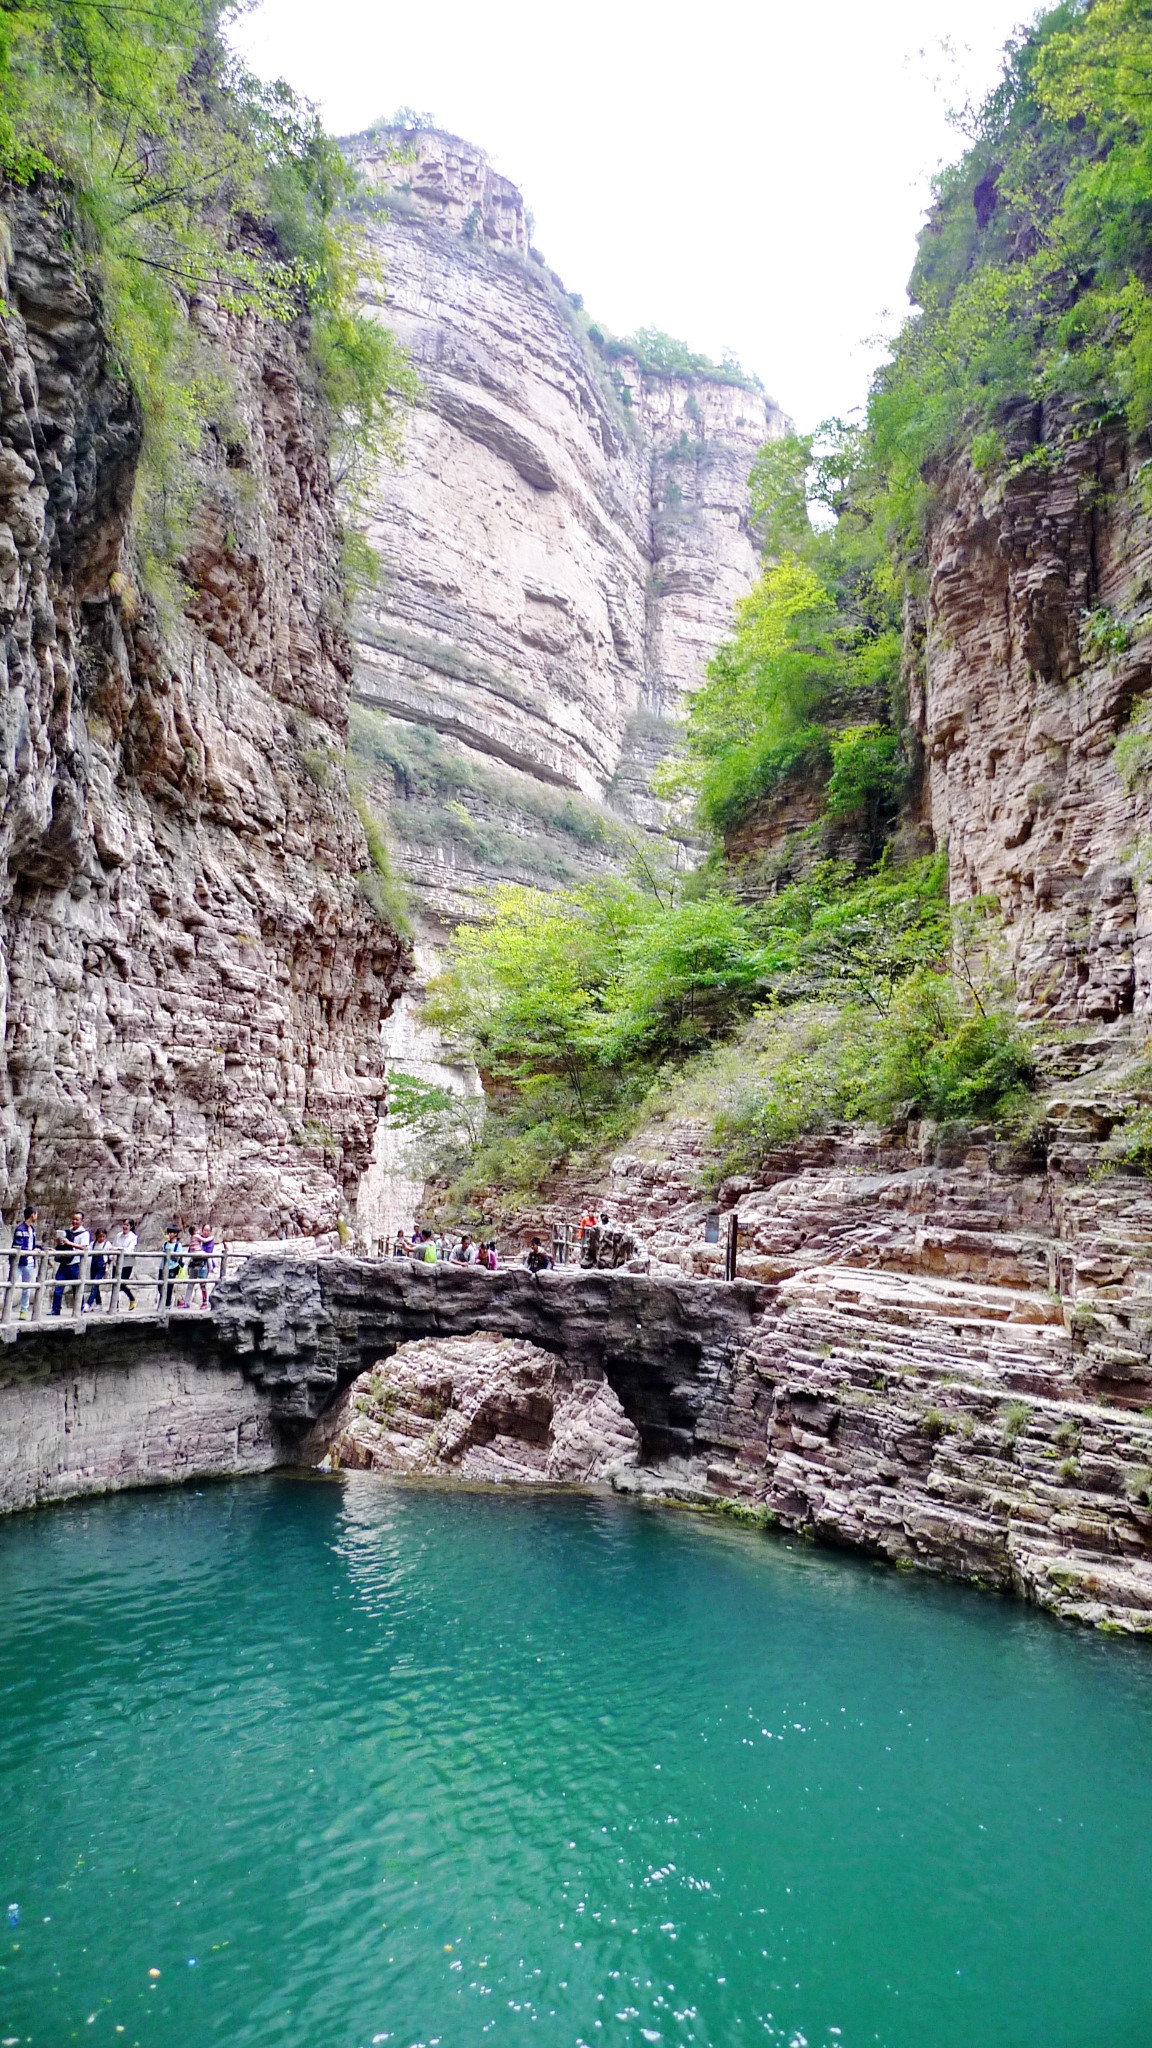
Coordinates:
[940,1055]
[575,1006]
[931,1054]
[183,176]
[804,691]
[1032,280]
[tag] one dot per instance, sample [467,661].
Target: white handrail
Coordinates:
[55,1283]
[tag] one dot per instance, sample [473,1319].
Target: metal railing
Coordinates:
[40,1286]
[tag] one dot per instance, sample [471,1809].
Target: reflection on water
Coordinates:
[289,1762]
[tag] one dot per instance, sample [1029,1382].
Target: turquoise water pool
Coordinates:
[294,1762]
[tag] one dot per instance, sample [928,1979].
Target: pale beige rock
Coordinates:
[565,539]
[193,986]
[482,1408]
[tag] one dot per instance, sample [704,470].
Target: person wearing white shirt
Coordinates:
[124,1241]
[73,1242]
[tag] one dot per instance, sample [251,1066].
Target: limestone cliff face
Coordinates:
[192,984]
[1037,639]
[954,1360]
[565,539]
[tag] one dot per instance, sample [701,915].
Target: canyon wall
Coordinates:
[90,1411]
[561,547]
[1034,643]
[193,984]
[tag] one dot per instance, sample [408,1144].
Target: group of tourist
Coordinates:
[596,1236]
[431,1248]
[185,1267]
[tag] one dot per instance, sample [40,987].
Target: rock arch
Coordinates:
[303,1329]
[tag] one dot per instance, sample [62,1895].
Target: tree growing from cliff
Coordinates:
[186,177]
[807,685]
[1033,281]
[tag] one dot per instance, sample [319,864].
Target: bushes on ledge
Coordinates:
[581,1008]
[932,1055]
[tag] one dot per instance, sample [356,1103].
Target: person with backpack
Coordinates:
[24,1242]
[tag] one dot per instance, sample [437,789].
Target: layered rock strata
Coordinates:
[91,1411]
[1034,644]
[193,985]
[956,1366]
[482,1408]
[565,540]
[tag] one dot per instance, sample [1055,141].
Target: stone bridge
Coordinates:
[302,1330]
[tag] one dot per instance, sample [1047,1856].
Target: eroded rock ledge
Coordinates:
[939,1423]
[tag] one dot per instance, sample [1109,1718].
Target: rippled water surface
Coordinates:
[290,1762]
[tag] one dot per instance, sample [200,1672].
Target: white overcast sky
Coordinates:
[745,177]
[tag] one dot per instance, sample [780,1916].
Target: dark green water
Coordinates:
[346,1764]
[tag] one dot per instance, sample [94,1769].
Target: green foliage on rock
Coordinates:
[931,1055]
[662,355]
[576,1007]
[380,885]
[415,1104]
[182,176]
[1032,281]
[805,690]
[1032,285]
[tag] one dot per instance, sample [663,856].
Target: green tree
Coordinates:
[1032,280]
[173,163]
[814,662]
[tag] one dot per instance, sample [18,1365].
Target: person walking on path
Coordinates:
[197,1270]
[73,1241]
[24,1241]
[466,1253]
[207,1264]
[171,1266]
[97,1271]
[537,1259]
[124,1242]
